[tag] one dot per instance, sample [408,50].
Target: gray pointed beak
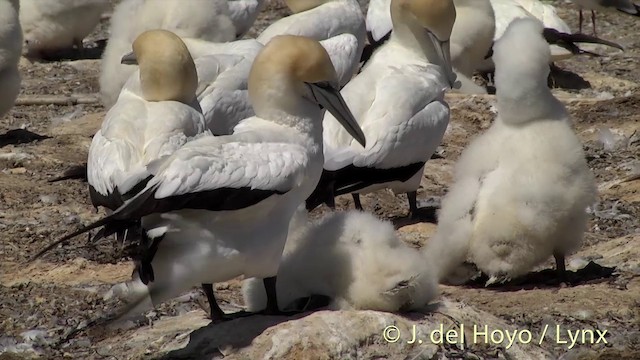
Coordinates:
[443,50]
[129,59]
[329,97]
[568,41]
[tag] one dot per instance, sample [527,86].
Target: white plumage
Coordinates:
[544,12]
[471,37]
[322,20]
[378,20]
[344,51]
[398,99]
[50,25]
[205,20]
[354,259]
[243,14]
[521,189]
[471,40]
[223,72]
[508,10]
[220,207]
[142,127]
[10,51]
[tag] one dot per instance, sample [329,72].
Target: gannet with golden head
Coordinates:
[398,100]
[220,206]
[521,189]
[223,73]
[153,117]
[471,37]
[10,51]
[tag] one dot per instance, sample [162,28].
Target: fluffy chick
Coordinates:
[52,25]
[354,259]
[521,189]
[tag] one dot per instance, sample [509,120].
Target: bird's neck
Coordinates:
[415,40]
[282,103]
[529,102]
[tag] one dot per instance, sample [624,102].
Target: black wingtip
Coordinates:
[122,218]
[324,191]
[67,237]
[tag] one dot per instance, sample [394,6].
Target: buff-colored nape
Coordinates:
[436,15]
[302,58]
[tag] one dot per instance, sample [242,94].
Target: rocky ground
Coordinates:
[40,303]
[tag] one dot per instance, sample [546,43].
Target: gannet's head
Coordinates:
[521,54]
[297,6]
[167,70]
[301,64]
[436,18]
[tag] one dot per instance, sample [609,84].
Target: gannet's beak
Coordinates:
[329,97]
[567,41]
[129,59]
[443,49]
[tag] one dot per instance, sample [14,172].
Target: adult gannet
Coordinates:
[521,189]
[471,40]
[471,37]
[321,20]
[222,95]
[398,99]
[507,11]
[205,20]
[243,14]
[10,51]
[354,259]
[623,6]
[50,25]
[223,72]
[153,117]
[220,206]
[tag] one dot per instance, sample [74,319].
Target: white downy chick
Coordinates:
[353,258]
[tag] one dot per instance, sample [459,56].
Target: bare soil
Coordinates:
[65,288]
